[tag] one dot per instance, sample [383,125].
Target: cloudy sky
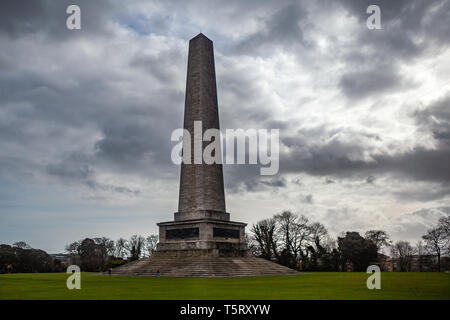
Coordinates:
[86,115]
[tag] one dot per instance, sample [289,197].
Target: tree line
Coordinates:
[91,254]
[99,254]
[296,242]
[286,238]
[20,257]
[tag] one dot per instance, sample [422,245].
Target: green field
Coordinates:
[302,286]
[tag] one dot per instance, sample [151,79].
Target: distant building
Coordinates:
[63,258]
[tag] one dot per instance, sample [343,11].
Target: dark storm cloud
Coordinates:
[423,194]
[420,17]
[335,159]
[70,170]
[111,188]
[307,199]
[274,182]
[419,164]
[343,157]
[378,53]
[135,133]
[413,225]
[134,146]
[370,179]
[46,104]
[74,169]
[247,178]
[436,119]
[160,65]
[338,152]
[359,84]
[283,27]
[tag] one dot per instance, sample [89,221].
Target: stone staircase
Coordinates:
[207,267]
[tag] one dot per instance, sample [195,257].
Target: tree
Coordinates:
[252,245]
[91,255]
[317,248]
[135,246]
[293,242]
[420,250]
[17,259]
[318,234]
[436,241]
[121,248]
[152,241]
[357,250]
[21,245]
[403,252]
[294,232]
[444,226]
[106,247]
[265,238]
[72,248]
[379,237]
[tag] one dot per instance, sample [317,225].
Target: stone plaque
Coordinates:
[225,233]
[183,233]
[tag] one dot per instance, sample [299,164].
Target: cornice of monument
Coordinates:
[202,220]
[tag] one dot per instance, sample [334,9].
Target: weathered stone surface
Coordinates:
[201,185]
[215,244]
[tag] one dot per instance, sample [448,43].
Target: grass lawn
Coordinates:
[330,285]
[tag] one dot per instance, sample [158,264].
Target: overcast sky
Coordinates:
[86,115]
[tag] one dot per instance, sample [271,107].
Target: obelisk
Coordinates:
[201,241]
[201,227]
[201,185]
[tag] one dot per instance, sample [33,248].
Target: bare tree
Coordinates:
[136,246]
[436,242]
[265,237]
[444,226]
[152,241]
[319,234]
[303,233]
[420,251]
[21,245]
[294,233]
[252,245]
[318,242]
[121,248]
[403,252]
[379,237]
[72,249]
[106,246]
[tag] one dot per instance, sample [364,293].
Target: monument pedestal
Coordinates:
[202,237]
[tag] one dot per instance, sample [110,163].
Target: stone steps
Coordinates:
[202,267]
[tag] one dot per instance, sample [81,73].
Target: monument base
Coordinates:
[202,247]
[202,237]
